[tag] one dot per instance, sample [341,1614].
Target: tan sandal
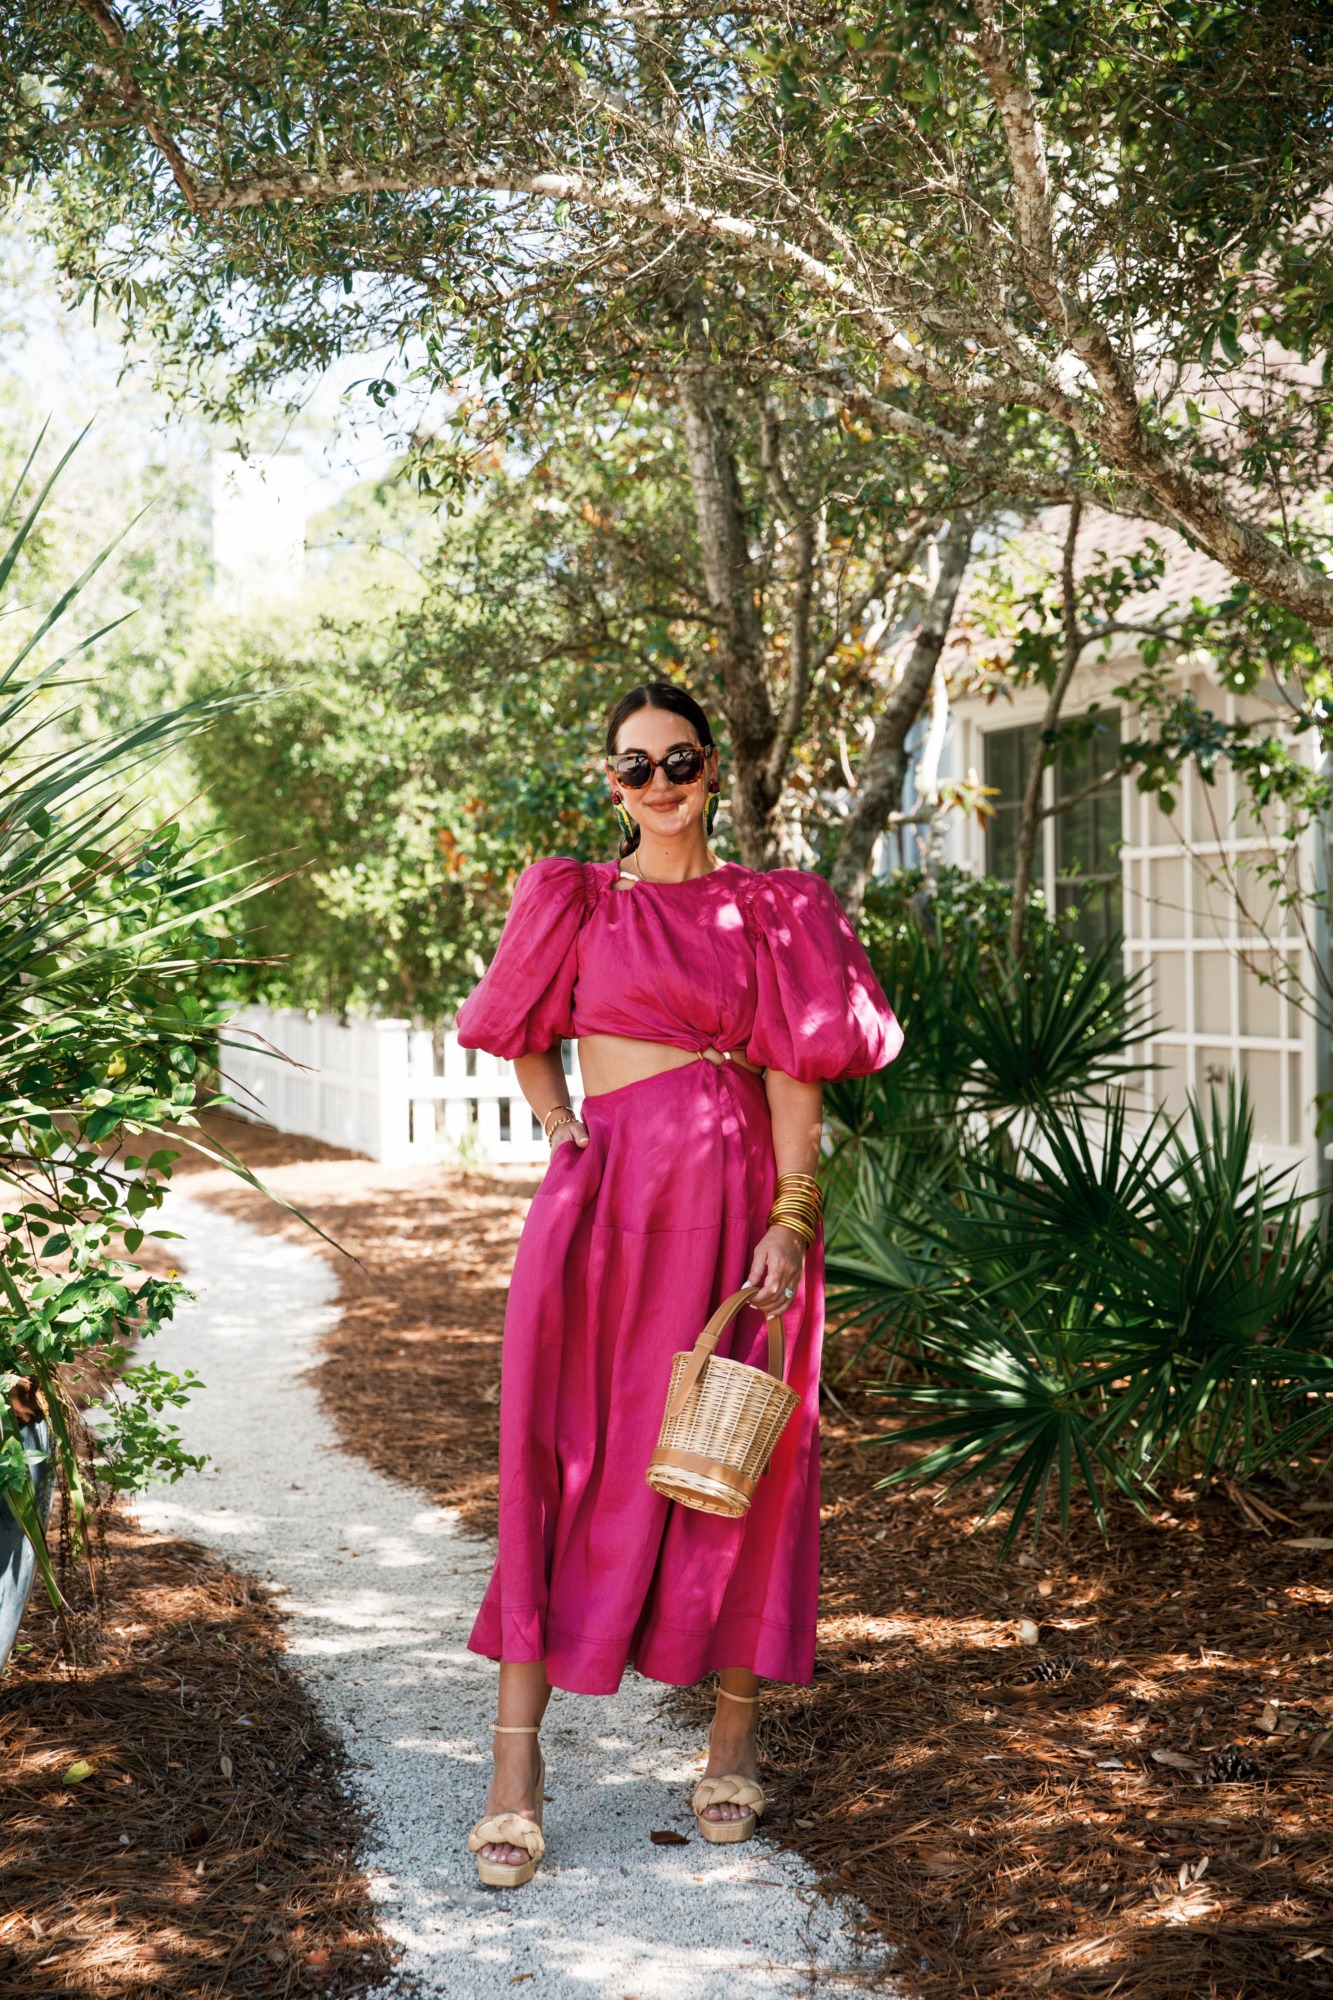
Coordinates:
[509,1829]
[732,1791]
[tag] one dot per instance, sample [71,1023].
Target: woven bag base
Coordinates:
[701,1483]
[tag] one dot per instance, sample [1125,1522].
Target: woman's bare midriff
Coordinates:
[609,1062]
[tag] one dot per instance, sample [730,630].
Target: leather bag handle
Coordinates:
[707,1342]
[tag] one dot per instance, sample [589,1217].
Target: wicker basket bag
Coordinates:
[722,1419]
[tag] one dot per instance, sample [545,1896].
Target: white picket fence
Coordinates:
[373,1087]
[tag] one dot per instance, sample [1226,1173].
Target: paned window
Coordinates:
[1194,899]
[1206,916]
[1077,862]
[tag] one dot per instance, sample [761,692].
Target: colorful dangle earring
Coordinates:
[623,820]
[710,810]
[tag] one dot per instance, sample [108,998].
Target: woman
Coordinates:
[709,1003]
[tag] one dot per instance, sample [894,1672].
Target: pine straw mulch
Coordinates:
[1060,1817]
[173,1819]
[1015,1818]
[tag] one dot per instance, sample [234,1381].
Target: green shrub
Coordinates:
[109,936]
[1063,1298]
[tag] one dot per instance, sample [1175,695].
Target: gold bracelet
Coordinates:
[789,1204]
[798,1204]
[804,1185]
[799,1229]
[803,1210]
[803,1222]
[555,1112]
[800,1214]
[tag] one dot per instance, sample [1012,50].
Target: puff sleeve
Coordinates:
[820,1013]
[524,1003]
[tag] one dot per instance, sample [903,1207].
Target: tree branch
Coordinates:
[124,82]
[802,530]
[1107,779]
[883,766]
[1112,421]
[1188,501]
[1025,144]
[841,387]
[994,477]
[415,175]
[719,510]
[904,553]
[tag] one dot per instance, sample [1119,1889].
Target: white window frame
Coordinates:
[1187,1043]
[1026,708]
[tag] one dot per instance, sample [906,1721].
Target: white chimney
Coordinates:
[258,525]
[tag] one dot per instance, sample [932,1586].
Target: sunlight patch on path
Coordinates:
[378,1592]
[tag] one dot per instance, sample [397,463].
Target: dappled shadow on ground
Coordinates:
[422,1299]
[172,1817]
[1062,1816]
[1006,1835]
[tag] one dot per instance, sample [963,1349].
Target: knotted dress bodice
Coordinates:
[764,963]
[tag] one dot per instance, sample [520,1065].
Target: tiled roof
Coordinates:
[1189,572]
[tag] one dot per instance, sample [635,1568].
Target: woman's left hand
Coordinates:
[776,1269]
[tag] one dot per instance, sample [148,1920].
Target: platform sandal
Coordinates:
[508,1829]
[732,1791]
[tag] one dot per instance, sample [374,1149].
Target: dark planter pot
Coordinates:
[18,1568]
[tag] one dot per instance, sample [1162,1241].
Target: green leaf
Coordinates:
[1228,334]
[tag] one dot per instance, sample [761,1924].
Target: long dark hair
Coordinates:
[655,694]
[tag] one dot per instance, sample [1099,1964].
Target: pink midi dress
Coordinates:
[629,1245]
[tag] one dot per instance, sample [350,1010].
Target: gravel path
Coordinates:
[379,1590]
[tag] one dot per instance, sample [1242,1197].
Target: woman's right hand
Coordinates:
[573,1128]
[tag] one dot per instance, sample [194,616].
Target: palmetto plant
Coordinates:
[994,1036]
[1068,1300]
[107,932]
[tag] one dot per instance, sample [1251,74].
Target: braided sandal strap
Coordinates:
[508,1830]
[728,1792]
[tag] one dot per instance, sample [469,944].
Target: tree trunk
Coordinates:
[1030,823]
[883,767]
[800,525]
[729,578]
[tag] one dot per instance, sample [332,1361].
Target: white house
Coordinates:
[1184,892]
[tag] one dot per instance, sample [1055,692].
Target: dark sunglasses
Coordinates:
[682,765]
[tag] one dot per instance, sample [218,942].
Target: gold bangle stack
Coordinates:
[798,1205]
[563,1114]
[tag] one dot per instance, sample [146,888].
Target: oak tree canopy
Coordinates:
[1072,248]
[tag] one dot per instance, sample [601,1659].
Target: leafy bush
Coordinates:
[1066,1299]
[401,823]
[108,937]
[955,907]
